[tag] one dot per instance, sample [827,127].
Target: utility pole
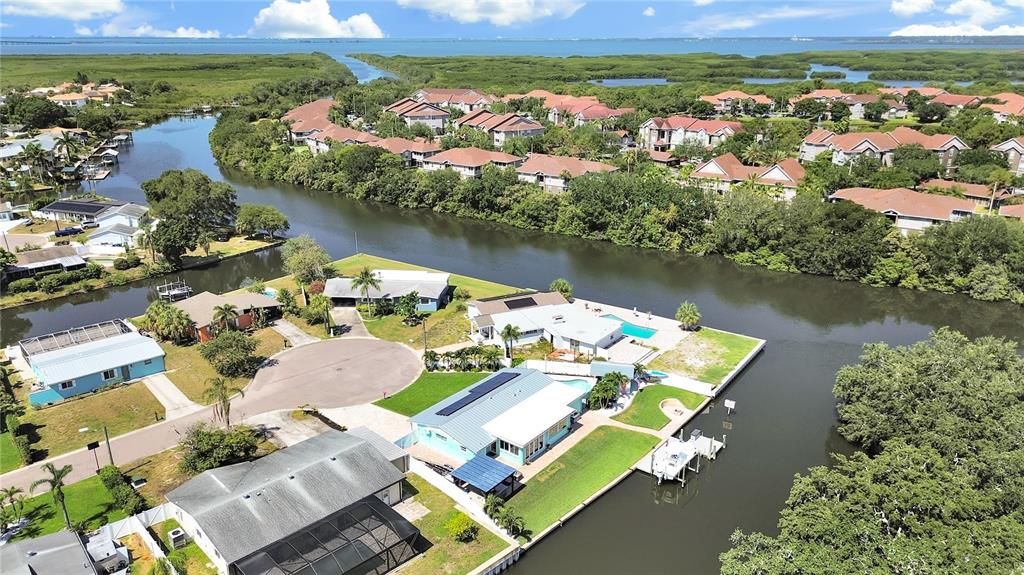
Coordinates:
[109,452]
[424,323]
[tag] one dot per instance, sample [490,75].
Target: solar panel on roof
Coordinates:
[520,303]
[492,383]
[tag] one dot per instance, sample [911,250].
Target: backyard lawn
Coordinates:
[10,459]
[427,390]
[645,410]
[121,409]
[219,250]
[579,473]
[187,368]
[707,355]
[446,555]
[196,562]
[87,501]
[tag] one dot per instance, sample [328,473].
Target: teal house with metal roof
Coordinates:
[513,415]
[86,359]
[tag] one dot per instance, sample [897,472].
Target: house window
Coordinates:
[554,429]
[66,384]
[440,437]
[109,374]
[148,362]
[508,447]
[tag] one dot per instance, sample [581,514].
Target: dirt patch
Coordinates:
[141,558]
[690,357]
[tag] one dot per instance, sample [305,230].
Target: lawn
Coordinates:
[579,473]
[10,459]
[188,370]
[219,250]
[427,390]
[161,472]
[41,226]
[707,355]
[87,501]
[196,562]
[121,409]
[645,410]
[446,555]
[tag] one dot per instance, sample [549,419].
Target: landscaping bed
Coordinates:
[707,355]
[645,409]
[578,474]
[428,389]
[446,555]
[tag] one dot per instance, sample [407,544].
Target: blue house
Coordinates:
[86,359]
[433,288]
[513,415]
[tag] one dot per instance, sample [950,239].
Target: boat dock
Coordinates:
[673,457]
[174,291]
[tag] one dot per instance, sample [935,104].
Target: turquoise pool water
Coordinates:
[657,373]
[632,329]
[581,384]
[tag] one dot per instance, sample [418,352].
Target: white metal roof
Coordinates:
[534,415]
[565,320]
[94,357]
[393,284]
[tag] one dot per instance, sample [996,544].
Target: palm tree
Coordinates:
[510,334]
[490,357]
[493,505]
[639,371]
[56,484]
[511,521]
[68,144]
[753,154]
[154,315]
[364,281]
[204,240]
[998,179]
[224,315]
[219,392]
[688,315]
[175,324]
[35,156]
[11,494]
[430,358]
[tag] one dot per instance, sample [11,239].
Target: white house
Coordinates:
[308,119]
[319,141]
[414,152]
[414,112]
[465,99]
[72,100]
[722,173]
[1013,149]
[130,215]
[909,211]
[663,134]
[551,171]
[501,127]
[116,235]
[880,145]
[469,162]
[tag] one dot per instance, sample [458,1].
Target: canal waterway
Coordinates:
[785,419]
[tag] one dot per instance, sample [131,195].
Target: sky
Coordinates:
[508,18]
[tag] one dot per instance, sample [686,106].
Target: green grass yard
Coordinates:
[645,410]
[188,370]
[10,459]
[196,562]
[427,390]
[88,501]
[446,556]
[707,355]
[579,473]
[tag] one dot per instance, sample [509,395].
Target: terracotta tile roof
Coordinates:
[1012,104]
[695,124]
[549,165]
[736,95]
[407,107]
[491,122]
[598,111]
[923,90]
[1013,211]
[661,157]
[907,136]
[820,94]
[343,135]
[860,98]
[906,202]
[1013,143]
[788,172]
[956,100]
[883,141]
[70,97]
[472,157]
[311,116]
[402,145]
[453,95]
[819,137]
[969,190]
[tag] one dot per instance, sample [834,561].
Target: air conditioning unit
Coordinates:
[178,538]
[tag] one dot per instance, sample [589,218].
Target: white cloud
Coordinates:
[960,29]
[1015,3]
[703,2]
[134,23]
[66,9]
[497,12]
[911,7]
[310,19]
[648,11]
[715,23]
[977,11]
[84,30]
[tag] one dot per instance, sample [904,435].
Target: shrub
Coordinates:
[461,528]
[13,423]
[127,262]
[121,491]
[316,287]
[287,301]
[91,272]
[461,293]
[52,283]
[24,448]
[23,285]
[206,447]
[111,476]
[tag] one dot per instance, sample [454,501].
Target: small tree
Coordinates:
[406,306]
[219,393]
[232,354]
[511,521]
[461,528]
[287,300]
[318,311]
[55,482]
[605,391]
[688,315]
[493,505]
[206,447]
[364,281]
[305,259]
[510,334]
[562,286]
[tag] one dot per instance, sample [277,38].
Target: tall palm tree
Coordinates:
[753,154]
[176,325]
[68,144]
[224,315]
[11,494]
[493,505]
[364,281]
[56,484]
[219,392]
[490,356]
[35,156]
[146,242]
[510,334]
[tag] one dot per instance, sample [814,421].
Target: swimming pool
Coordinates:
[656,373]
[581,384]
[632,329]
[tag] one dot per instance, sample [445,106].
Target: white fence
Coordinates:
[558,367]
[138,525]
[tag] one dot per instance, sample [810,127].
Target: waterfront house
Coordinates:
[735,100]
[1010,105]
[86,359]
[465,99]
[323,505]
[563,325]
[500,127]
[909,211]
[201,310]
[433,288]
[469,162]
[414,112]
[11,149]
[69,100]
[414,152]
[663,134]
[1013,149]
[114,235]
[10,212]
[513,415]
[320,140]
[131,215]
[880,145]
[555,172]
[522,300]
[722,173]
[307,119]
[79,210]
[44,261]
[980,194]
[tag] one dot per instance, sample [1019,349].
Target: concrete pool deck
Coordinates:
[667,333]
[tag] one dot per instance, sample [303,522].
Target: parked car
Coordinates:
[89,225]
[68,232]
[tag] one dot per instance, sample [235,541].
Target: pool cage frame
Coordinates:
[367,537]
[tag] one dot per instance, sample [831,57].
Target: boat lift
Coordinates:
[674,457]
[174,291]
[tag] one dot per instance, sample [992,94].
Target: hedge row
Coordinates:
[121,491]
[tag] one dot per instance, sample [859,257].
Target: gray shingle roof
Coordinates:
[466,425]
[243,508]
[120,229]
[60,553]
